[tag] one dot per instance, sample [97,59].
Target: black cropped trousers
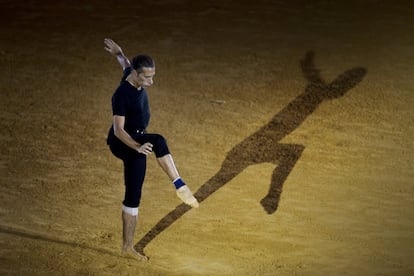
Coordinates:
[135,163]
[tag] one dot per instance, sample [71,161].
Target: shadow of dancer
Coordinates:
[263,146]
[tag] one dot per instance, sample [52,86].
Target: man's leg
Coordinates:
[166,162]
[134,172]
[129,222]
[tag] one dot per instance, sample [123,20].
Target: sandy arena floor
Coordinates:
[238,98]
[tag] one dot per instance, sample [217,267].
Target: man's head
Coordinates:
[144,68]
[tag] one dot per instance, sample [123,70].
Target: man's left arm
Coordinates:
[115,50]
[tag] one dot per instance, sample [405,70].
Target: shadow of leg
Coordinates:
[213,184]
[222,177]
[286,157]
[163,224]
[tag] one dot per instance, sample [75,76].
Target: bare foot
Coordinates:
[187,197]
[132,253]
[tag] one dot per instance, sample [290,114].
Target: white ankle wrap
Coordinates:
[130,211]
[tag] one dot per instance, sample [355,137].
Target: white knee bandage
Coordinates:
[130,211]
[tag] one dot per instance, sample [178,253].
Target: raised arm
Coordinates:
[116,51]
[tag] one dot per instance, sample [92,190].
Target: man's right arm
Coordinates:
[115,50]
[121,134]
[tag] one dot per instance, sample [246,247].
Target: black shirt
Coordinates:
[131,103]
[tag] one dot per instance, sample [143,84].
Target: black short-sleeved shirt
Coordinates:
[131,103]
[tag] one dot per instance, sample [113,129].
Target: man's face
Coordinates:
[145,78]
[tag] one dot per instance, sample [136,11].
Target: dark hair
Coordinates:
[141,61]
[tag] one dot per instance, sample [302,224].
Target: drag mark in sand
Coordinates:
[263,146]
[24,233]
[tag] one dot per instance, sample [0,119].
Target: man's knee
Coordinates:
[160,146]
[132,198]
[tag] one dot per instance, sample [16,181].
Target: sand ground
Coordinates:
[224,70]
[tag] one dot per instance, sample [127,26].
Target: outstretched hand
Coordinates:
[112,47]
[116,51]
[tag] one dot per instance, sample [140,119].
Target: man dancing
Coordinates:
[129,141]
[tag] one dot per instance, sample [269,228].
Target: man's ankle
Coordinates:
[178,183]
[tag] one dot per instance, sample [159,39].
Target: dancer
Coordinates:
[129,141]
